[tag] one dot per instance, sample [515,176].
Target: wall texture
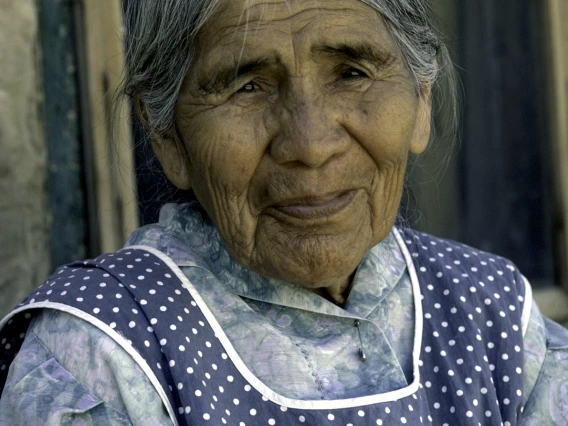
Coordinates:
[24,217]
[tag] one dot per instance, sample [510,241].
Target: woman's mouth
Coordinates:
[315,207]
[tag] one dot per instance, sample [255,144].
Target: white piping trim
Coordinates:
[297,403]
[111,333]
[527,307]
[418,318]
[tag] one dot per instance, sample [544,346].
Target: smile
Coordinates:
[315,207]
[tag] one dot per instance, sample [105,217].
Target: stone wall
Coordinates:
[24,217]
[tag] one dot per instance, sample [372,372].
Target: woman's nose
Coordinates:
[310,132]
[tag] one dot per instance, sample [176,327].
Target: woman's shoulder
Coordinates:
[79,369]
[442,250]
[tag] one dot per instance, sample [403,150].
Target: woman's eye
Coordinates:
[352,73]
[250,87]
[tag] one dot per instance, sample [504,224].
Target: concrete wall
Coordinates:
[24,218]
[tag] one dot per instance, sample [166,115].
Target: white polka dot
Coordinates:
[206,416]
[172,363]
[198,392]
[181,348]
[403,420]
[469,414]
[361,413]
[271,422]
[252,412]
[247,388]
[163,308]
[230,378]
[131,324]
[330,416]
[302,419]
[147,343]
[96,310]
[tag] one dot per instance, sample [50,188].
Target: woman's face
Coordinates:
[297,118]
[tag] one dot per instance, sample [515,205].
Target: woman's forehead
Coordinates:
[245,24]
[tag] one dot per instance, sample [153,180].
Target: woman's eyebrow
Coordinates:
[378,57]
[225,74]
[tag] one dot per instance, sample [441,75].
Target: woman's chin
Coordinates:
[312,262]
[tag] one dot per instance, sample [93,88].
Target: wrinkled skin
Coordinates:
[299,155]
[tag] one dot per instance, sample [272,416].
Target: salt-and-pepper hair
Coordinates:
[161,36]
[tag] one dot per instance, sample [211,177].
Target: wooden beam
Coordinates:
[557,53]
[111,148]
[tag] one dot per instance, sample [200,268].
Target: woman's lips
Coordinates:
[316,207]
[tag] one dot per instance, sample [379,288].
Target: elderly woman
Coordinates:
[284,294]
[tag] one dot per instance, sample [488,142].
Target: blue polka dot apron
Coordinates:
[468,354]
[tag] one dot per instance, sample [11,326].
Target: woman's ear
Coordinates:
[423,126]
[169,149]
[173,157]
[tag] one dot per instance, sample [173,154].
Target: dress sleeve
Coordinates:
[546,372]
[69,372]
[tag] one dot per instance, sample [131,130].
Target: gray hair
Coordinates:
[160,45]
